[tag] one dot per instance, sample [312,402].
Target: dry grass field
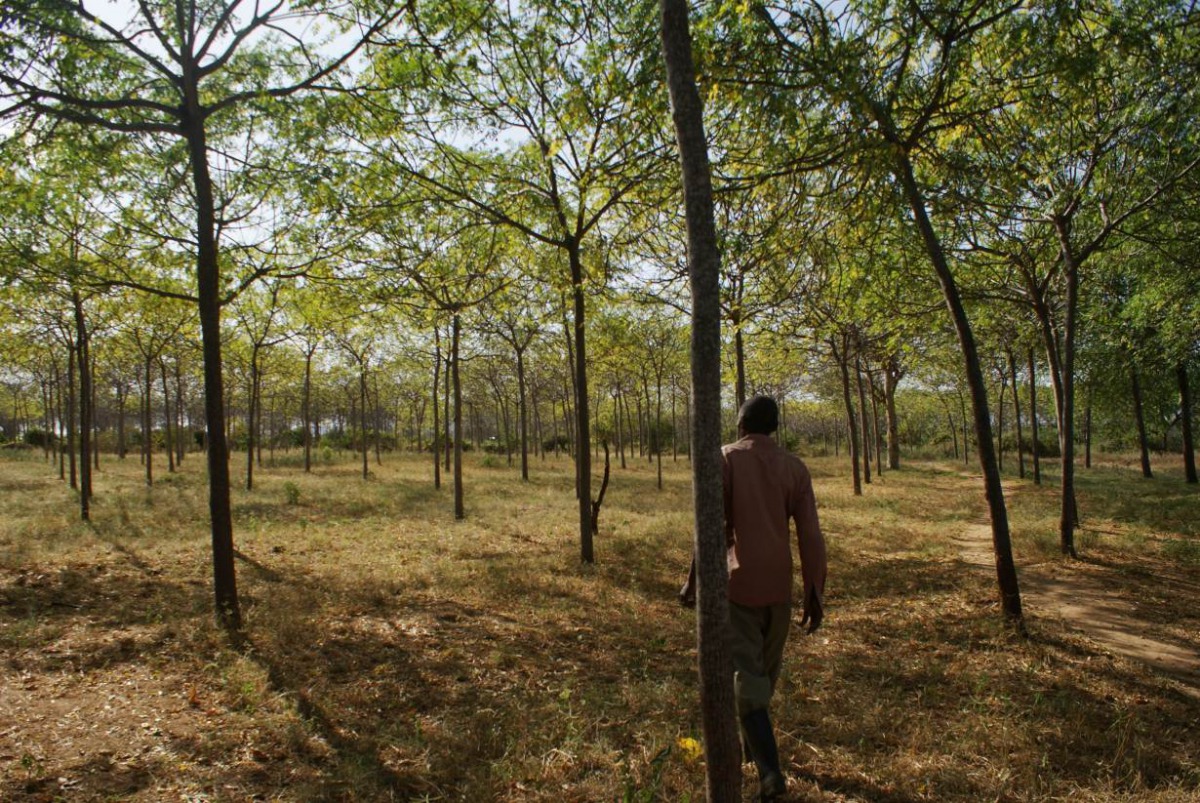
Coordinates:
[395,654]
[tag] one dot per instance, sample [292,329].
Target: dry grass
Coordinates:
[395,654]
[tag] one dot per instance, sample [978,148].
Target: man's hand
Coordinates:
[687,594]
[813,614]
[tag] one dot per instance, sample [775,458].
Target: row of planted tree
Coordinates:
[370,386]
[1010,178]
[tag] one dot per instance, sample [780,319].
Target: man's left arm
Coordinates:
[813,560]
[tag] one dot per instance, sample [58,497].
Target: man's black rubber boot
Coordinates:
[760,736]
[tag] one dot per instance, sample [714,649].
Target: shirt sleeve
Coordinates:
[813,562]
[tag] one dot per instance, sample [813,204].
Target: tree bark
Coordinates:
[865,441]
[1006,572]
[85,408]
[1067,517]
[721,747]
[208,278]
[72,408]
[843,361]
[891,380]
[583,451]
[1012,367]
[437,435]
[1035,447]
[524,415]
[1185,421]
[455,330]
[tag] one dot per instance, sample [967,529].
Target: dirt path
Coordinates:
[1086,602]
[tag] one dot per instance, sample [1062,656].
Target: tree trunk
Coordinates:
[583,452]
[148,421]
[739,346]
[1000,425]
[449,439]
[865,440]
[72,407]
[1006,572]
[873,395]
[251,417]
[167,414]
[208,280]
[363,401]
[843,360]
[524,415]
[1012,368]
[1035,447]
[122,394]
[437,435]
[1185,421]
[1068,516]
[306,409]
[891,380]
[85,408]
[459,510]
[721,747]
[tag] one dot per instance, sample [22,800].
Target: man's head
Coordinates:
[758,416]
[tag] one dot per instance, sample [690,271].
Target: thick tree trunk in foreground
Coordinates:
[721,748]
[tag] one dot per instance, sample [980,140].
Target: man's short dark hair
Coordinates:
[759,416]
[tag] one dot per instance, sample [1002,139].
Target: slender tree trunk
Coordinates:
[658,433]
[953,432]
[1000,425]
[1087,432]
[437,373]
[1006,572]
[891,378]
[739,345]
[180,431]
[362,417]
[459,509]
[1035,447]
[85,408]
[1012,367]
[448,452]
[148,421]
[865,440]
[1185,421]
[843,360]
[72,408]
[306,409]
[722,751]
[93,416]
[873,395]
[1068,516]
[122,395]
[167,414]
[583,452]
[251,417]
[524,415]
[209,290]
